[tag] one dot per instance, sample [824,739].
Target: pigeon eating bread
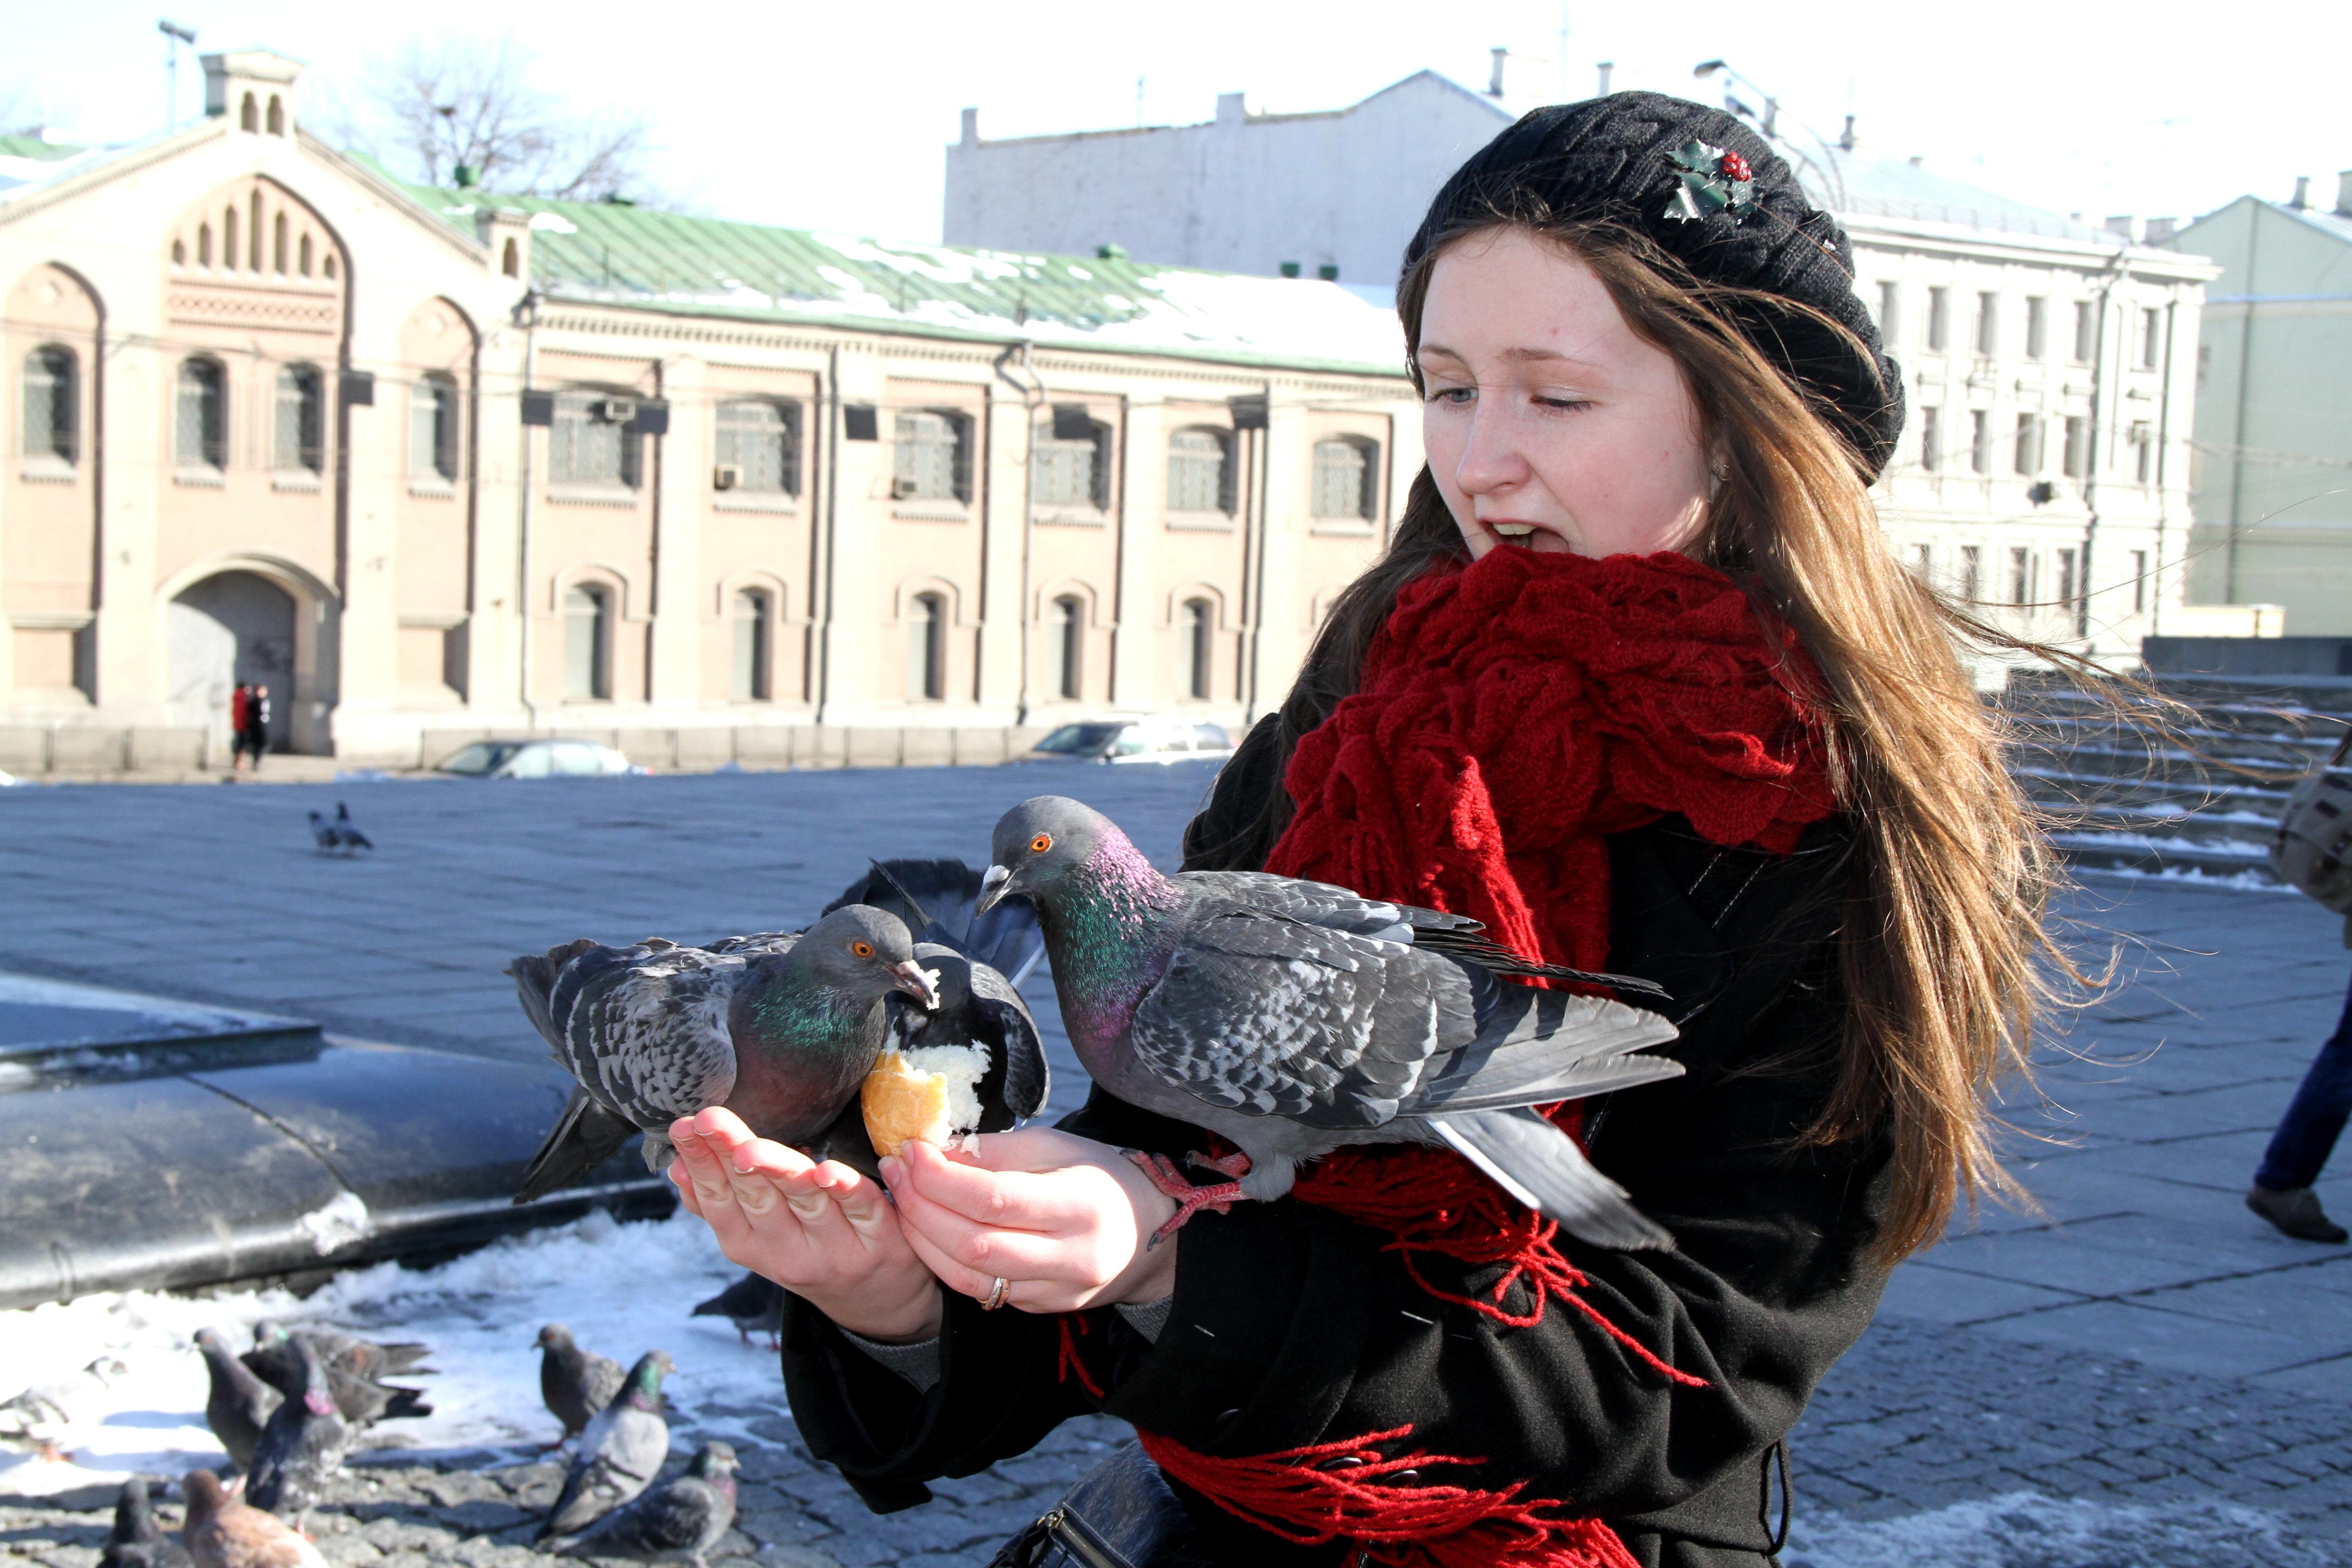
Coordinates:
[931,1093]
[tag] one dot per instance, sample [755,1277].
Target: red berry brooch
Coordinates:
[1710,180]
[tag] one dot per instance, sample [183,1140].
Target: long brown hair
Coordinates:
[1942,947]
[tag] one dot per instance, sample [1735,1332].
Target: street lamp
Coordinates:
[173,37]
[1771,121]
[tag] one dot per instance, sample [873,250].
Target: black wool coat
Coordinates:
[1290,1326]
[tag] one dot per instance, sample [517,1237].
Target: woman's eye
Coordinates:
[1456,395]
[1564,403]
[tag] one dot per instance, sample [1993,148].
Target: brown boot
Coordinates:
[2296,1213]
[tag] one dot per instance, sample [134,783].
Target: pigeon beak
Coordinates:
[918,983]
[994,883]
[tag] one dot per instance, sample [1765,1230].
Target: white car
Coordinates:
[536,759]
[1133,741]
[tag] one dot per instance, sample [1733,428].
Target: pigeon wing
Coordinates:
[1272,1017]
[646,1031]
[1018,1078]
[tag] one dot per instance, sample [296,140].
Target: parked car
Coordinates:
[1132,741]
[535,759]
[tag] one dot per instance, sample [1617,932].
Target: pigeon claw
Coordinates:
[1219,1197]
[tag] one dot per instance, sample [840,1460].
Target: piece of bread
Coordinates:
[932,1094]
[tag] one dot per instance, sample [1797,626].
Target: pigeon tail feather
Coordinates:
[583,1137]
[1538,1164]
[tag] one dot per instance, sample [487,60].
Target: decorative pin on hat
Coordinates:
[1712,181]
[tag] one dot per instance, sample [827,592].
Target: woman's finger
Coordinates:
[953,1275]
[862,1202]
[1015,1200]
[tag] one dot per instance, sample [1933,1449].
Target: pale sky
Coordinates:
[836,117]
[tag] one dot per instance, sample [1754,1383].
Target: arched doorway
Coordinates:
[233,626]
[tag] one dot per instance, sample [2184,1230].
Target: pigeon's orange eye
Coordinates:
[1039,845]
[862,949]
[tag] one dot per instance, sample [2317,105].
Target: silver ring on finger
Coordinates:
[996,1294]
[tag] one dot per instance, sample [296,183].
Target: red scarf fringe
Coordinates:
[1510,716]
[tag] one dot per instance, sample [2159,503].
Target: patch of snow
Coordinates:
[2025,1530]
[551,223]
[623,1289]
[339,1222]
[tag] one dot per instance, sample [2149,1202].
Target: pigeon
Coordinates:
[240,1404]
[684,1517]
[1294,1017]
[138,1541]
[304,1443]
[352,1367]
[754,1302]
[323,833]
[620,1452]
[347,832]
[780,1028]
[37,1418]
[576,1383]
[225,1531]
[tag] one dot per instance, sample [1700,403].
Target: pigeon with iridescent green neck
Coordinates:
[1294,1018]
[620,1453]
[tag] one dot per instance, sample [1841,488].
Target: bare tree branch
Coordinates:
[458,102]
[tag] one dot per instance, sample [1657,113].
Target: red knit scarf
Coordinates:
[1510,716]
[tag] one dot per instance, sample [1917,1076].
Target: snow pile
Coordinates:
[624,1289]
[2023,1529]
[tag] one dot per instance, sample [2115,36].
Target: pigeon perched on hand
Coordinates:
[240,1404]
[1294,1017]
[576,1383]
[780,1028]
[225,1531]
[352,1367]
[37,1418]
[754,1303]
[304,1443]
[620,1453]
[684,1517]
[138,1541]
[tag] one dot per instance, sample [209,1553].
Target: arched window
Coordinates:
[1070,643]
[593,440]
[759,447]
[300,434]
[927,648]
[1347,479]
[276,116]
[1200,471]
[278,245]
[932,461]
[753,617]
[510,264]
[302,262]
[433,429]
[179,252]
[204,245]
[1199,624]
[254,258]
[201,434]
[587,643]
[1069,461]
[327,266]
[228,239]
[52,405]
[248,118]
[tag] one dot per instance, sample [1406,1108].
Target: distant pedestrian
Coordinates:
[252,725]
[2306,1137]
[240,702]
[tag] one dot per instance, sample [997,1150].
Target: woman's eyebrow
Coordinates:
[1515,355]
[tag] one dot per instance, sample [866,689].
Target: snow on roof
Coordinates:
[1854,185]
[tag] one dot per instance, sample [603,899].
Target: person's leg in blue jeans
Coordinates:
[2306,1137]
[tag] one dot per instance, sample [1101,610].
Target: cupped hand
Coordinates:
[822,1231]
[1064,1218]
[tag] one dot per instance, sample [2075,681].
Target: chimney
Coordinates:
[1233,108]
[1495,81]
[2121,226]
[2344,194]
[505,234]
[2159,229]
[253,87]
[971,128]
[2302,193]
[1607,66]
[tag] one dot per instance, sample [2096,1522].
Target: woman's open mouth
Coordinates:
[1527,536]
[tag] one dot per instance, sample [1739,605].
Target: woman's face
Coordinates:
[1548,424]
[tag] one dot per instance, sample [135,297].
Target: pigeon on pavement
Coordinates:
[352,1367]
[304,1443]
[347,832]
[322,833]
[780,1028]
[620,1453]
[138,1541]
[684,1517]
[225,1531]
[240,1404]
[755,1304]
[1293,1018]
[576,1383]
[37,1418]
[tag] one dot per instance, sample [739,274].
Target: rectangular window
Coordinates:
[759,447]
[1200,471]
[2037,327]
[2139,581]
[201,439]
[1069,461]
[52,405]
[1890,311]
[931,460]
[1923,561]
[1971,571]
[591,441]
[2066,585]
[2151,338]
[2029,445]
[751,672]
[2020,575]
[2086,331]
[1988,323]
[1931,438]
[2078,442]
[1344,480]
[433,429]
[2143,454]
[1939,318]
[1980,440]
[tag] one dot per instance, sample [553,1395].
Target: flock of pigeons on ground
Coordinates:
[291,1409]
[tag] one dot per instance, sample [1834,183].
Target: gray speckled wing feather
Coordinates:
[645,1028]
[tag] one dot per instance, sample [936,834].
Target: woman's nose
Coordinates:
[1492,458]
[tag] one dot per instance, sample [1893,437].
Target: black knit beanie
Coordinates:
[1713,194]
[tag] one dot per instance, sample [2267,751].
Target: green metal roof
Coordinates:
[33,147]
[611,252]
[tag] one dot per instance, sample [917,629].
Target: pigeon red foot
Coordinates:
[1217,1198]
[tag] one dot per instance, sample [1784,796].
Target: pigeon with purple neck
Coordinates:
[1293,1018]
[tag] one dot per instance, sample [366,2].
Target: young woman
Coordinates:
[1638,684]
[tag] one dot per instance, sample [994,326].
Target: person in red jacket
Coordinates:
[1638,684]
